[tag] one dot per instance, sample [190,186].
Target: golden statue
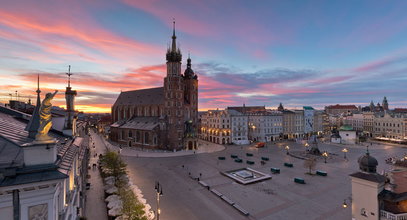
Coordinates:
[45,118]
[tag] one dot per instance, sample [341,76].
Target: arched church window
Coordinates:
[138,136]
[146,138]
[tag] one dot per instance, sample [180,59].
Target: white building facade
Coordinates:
[265,126]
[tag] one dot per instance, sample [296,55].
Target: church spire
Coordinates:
[189,60]
[34,123]
[174,53]
[174,43]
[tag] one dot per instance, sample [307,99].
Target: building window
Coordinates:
[138,137]
[146,138]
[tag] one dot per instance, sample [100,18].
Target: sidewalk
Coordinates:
[95,204]
[203,147]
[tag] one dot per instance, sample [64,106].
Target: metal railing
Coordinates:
[385,215]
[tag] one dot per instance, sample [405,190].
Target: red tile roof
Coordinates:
[337,106]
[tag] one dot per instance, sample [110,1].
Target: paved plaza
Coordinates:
[276,198]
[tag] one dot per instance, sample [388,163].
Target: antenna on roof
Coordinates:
[69,75]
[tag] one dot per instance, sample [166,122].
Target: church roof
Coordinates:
[138,123]
[152,96]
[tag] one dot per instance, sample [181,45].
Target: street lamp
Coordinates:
[344,152]
[287,148]
[159,190]
[344,204]
[325,155]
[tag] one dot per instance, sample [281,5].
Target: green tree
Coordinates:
[132,208]
[113,164]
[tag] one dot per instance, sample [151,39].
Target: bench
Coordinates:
[203,183]
[249,154]
[321,173]
[238,160]
[250,162]
[299,180]
[288,165]
[216,192]
[240,209]
[275,170]
[222,158]
[226,199]
[265,158]
[233,156]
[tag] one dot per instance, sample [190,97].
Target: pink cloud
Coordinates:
[75,30]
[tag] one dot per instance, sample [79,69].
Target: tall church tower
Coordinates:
[174,96]
[69,128]
[385,104]
[191,107]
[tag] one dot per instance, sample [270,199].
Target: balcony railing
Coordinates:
[385,215]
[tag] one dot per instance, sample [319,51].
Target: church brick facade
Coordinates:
[164,117]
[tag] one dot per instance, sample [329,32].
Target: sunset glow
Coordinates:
[260,53]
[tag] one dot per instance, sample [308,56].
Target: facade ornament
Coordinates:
[45,118]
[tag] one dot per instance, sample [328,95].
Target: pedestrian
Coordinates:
[200,174]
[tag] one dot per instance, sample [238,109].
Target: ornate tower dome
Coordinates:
[189,73]
[367,163]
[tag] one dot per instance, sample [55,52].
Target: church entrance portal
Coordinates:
[190,145]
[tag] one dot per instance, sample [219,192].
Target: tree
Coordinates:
[113,164]
[310,164]
[132,209]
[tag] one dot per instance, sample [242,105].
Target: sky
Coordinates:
[261,52]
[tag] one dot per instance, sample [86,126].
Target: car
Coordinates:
[260,145]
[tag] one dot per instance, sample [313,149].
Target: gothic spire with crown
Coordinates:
[174,53]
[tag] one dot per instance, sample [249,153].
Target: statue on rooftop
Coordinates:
[45,118]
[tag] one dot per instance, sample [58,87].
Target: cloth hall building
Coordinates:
[164,117]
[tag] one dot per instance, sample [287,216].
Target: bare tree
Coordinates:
[310,164]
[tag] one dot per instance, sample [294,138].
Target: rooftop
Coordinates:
[152,96]
[337,106]
[138,123]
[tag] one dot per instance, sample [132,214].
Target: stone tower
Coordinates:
[280,107]
[366,185]
[174,96]
[70,108]
[191,107]
[385,104]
